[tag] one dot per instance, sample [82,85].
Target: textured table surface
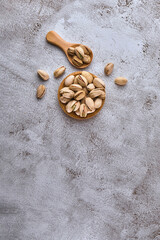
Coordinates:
[61,179]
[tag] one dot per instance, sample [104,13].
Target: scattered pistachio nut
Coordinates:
[89,103]
[41,91]
[121,81]
[82,81]
[98,83]
[69,80]
[88,76]
[83,110]
[79,52]
[76,61]
[59,71]
[90,87]
[86,59]
[75,87]
[71,51]
[98,103]
[43,74]
[108,68]
[79,95]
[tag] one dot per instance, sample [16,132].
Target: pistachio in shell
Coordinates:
[44,75]
[90,87]
[88,76]
[79,52]
[89,103]
[82,81]
[69,80]
[75,87]
[79,95]
[59,71]
[64,100]
[86,59]
[83,110]
[76,61]
[71,51]
[95,93]
[64,90]
[41,91]
[86,49]
[98,103]
[98,83]
[108,68]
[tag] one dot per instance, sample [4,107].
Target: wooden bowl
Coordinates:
[72,114]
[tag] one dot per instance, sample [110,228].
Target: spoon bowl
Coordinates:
[53,38]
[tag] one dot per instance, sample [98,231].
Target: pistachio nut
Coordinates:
[64,90]
[82,81]
[121,81]
[88,76]
[43,74]
[64,100]
[83,110]
[86,49]
[72,106]
[95,93]
[68,94]
[86,59]
[69,80]
[98,83]
[79,52]
[90,111]
[59,71]
[108,68]
[89,103]
[90,87]
[71,51]
[76,79]
[75,87]
[41,91]
[85,90]
[79,95]
[98,103]
[76,61]
[103,95]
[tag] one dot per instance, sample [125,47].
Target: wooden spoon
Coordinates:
[72,114]
[54,38]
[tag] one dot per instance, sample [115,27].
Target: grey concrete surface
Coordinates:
[62,179]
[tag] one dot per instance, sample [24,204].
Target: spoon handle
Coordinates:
[55,39]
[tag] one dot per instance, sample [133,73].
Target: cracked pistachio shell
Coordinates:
[65,90]
[86,59]
[75,87]
[88,76]
[83,110]
[103,95]
[89,103]
[70,106]
[41,91]
[77,112]
[82,81]
[79,52]
[98,103]
[59,71]
[90,87]
[76,79]
[90,111]
[69,80]
[68,94]
[64,100]
[79,95]
[86,49]
[85,90]
[95,93]
[98,83]
[71,51]
[76,61]
[108,68]
[43,75]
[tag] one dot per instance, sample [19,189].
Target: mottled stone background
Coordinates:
[62,179]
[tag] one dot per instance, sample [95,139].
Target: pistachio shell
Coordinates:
[95,93]
[64,100]
[71,51]
[79,95]
[41,91]
[90,111]
[82,81]
[98,83]
[75,87]
[89,103]
[83,110]
[79,52]
[68,94]
[90,87]
[103,95]
[86,49]
[88,76]
[98,103]
[76,106]
[85,90]
[121,81]
[86,59]
[70,106]
[76,61]
[77,112]
[69,80]
[76,79]
[108,68]
[64,90]
[59,71]
[43,75]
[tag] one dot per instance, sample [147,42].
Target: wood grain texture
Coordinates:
[72,114]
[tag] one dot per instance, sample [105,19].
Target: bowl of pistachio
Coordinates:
[81,95]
